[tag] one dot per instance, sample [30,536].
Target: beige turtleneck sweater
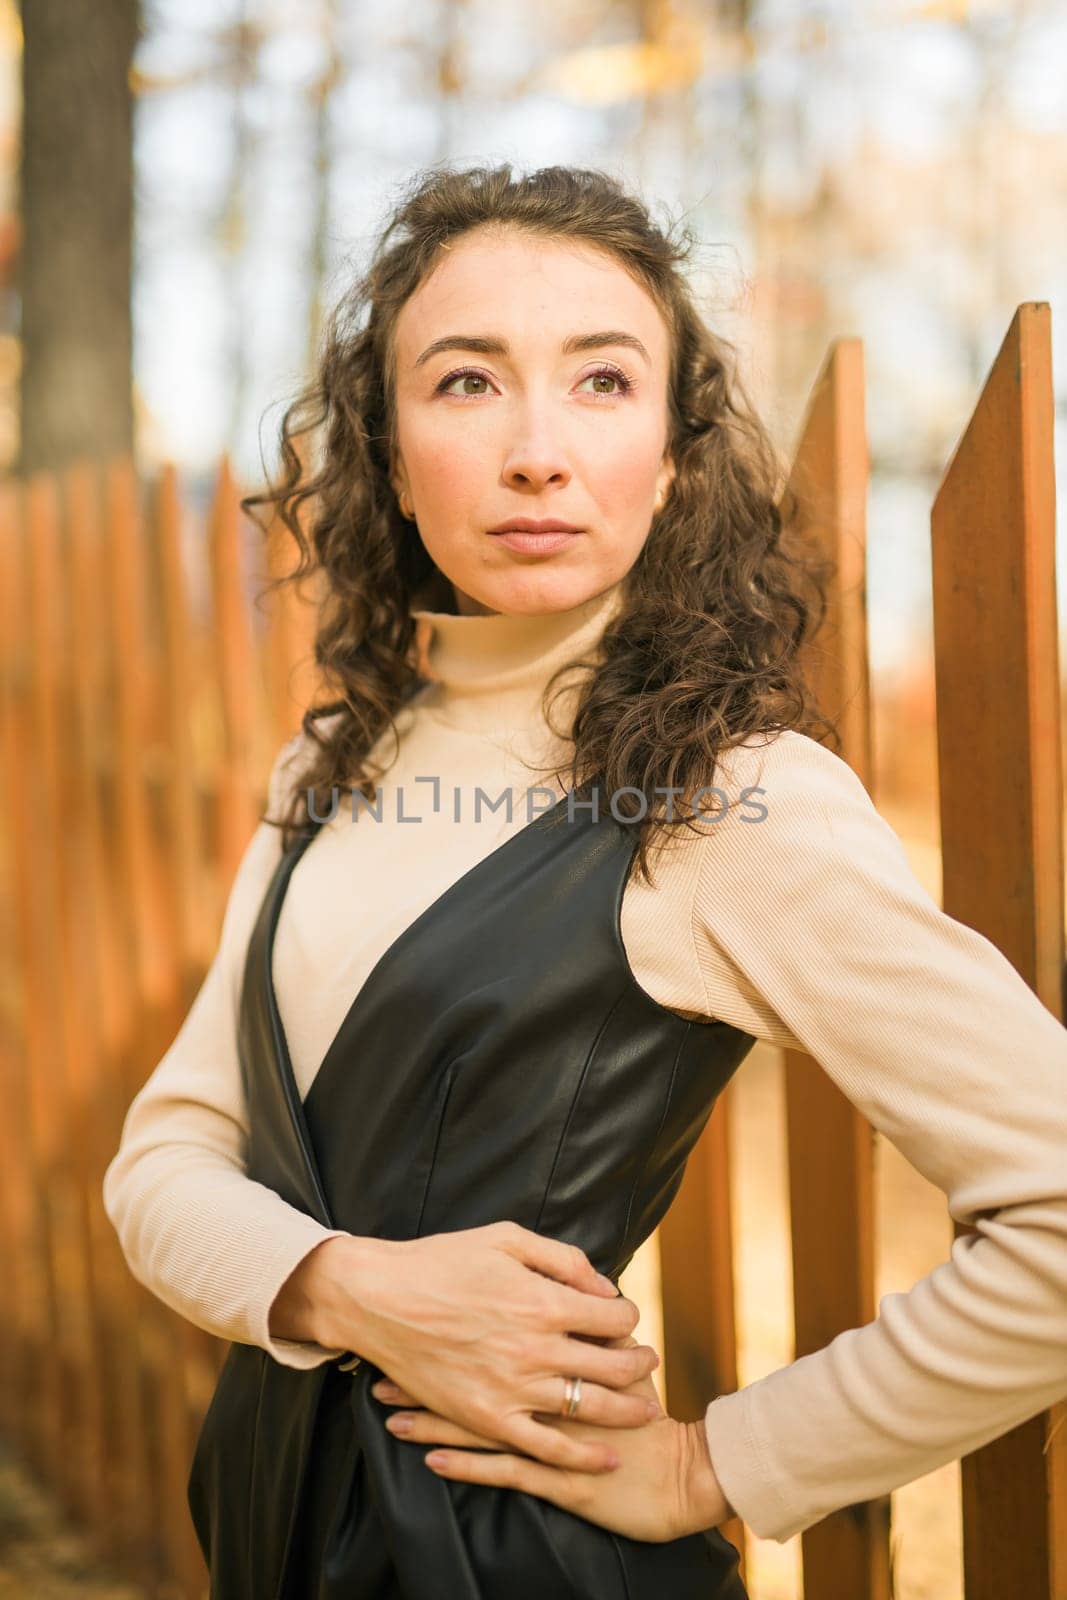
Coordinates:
[807,929]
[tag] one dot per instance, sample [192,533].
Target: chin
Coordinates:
[533,593]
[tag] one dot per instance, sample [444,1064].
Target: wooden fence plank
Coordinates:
[124,1461]
[831,1144]
[238,670]
[60,815]
[36,1402]
[153,999]
[1001,783]
[697,1288]
[52,1040]
[185,865]
[15,1189]
[290,672]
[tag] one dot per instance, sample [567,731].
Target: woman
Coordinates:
[447,1067]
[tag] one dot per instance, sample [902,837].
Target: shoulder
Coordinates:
[794,813]
[293,760]
[787,770]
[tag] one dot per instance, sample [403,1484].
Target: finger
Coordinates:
[607,1367]
[569,1310]
[555,1447]
[429,1427]
[566,1263]
[390,1394]
[606,1408]
[603,1369]
[509,1472]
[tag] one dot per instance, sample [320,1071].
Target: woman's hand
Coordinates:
[479,1326]
[663,1488]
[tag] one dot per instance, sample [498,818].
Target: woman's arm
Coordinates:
[813,932]
[205,1238]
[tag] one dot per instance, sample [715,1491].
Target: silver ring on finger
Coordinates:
[572,1395]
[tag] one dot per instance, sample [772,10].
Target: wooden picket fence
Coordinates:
[143,697]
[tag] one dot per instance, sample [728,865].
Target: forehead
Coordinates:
[528,289]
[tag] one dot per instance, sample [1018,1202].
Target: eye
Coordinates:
[615,375]
[624,383]
[453,377]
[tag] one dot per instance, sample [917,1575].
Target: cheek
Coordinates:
[621,473]
[445,466]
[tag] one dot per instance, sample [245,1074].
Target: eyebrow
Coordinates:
[489,345]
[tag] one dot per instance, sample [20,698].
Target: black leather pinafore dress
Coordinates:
[500,1061]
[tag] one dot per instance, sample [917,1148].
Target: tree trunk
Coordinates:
[77,217]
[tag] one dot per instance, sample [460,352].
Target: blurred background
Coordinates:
[175,220]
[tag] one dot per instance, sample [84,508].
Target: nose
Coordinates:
[535,460]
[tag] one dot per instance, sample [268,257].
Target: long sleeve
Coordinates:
[814,915]
[205,1238]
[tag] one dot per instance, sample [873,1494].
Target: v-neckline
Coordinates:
[388,954]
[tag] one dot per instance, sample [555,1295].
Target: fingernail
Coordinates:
[607,1283]
[436,1458]
[611,1459]
[655,1363]
[382,1390]
[399,1422]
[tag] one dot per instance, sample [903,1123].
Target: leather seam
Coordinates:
[576,1096]
[622,1564]
[450,1079]
[654,1142]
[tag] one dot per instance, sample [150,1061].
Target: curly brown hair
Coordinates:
[704,651]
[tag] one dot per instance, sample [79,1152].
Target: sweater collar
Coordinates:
[489,671]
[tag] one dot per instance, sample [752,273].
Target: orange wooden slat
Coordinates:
[191,931]
[184,863]
[14,1189]
[290,673]
[59,775]
[831,1144]
[240,694]
[35,1406]
[54,1042]
[1001,781]
[153,986]
[105,1029]
[697,1284]
[143,892]
[292,679]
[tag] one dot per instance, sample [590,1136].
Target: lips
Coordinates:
[528,537]
[531,525]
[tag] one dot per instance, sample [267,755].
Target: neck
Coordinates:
[489,669]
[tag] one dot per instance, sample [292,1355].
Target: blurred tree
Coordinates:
[76,199]
[322,91]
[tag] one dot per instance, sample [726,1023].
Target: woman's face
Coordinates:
[500,416]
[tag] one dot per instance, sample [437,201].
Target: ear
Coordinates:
[399,479]
[664,479]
